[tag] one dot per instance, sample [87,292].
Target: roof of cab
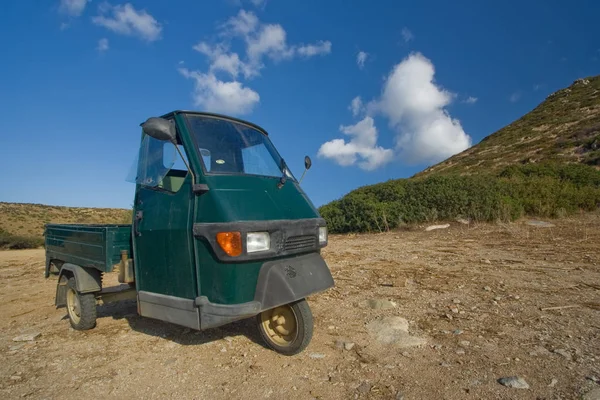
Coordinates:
[213,115]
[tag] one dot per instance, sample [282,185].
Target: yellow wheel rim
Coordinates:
[281,325]
[73,306]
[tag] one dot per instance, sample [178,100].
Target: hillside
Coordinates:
[24,223]
[563,128]
[545,164]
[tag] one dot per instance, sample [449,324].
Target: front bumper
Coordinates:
[279,282]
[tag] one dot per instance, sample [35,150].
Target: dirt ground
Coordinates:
[492,301]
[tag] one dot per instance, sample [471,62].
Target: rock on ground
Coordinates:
[27,337]
[394,331]
[515,382]
[434,227]
[593,394]
[378,304]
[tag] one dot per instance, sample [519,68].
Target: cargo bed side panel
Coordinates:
[92,246]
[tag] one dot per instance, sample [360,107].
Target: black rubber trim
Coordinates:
[213,315]
[291,279]
[280,230]
[167,301]
[175,310]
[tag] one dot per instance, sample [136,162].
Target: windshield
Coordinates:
[232,148]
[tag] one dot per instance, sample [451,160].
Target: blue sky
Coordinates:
[370,90]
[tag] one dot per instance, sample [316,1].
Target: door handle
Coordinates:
[136,223]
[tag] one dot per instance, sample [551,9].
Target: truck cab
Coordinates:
[221,231]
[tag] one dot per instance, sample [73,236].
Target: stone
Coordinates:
[364,387]
[16,378]
[27,337]
[464,343]
[348,346]
[456,301]
[487,288]
[399,396]
[394,331]
[563,352]
[454,310]
[593,394]
[379,304]
[539,224]
[463,221]
[460,352]
[458,332]
[316,356]
[553,382]
[434,227]
[515,382]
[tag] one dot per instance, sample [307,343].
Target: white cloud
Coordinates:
[102,45]
[356,106]
[361,58]
[270,41]
[471,100]
[212,94]
[242,24]
[516,96]
[261,42]
[415,108]
[319,48]
[407,35]
[538,86]
[126,20]
[73,8]
[414,105]
[361,148]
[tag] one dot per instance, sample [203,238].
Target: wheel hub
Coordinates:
[281,325]
[73,305]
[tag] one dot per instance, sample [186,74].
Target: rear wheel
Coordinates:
[287,329]
[81,307]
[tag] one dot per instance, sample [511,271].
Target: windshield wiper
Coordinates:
[283,178]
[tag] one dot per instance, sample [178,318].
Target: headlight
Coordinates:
[257,241]
[322,234]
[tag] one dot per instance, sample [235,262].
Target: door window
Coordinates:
[159,165]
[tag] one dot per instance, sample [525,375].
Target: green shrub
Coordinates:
[544,190]
[15,242]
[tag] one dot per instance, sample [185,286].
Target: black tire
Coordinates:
[292,343]
[81,307]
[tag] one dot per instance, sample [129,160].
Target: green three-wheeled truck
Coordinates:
[221,231]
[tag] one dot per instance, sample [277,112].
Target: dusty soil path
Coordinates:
[491,300]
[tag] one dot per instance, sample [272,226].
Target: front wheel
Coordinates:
[287,329]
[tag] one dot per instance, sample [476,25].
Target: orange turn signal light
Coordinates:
[230,242]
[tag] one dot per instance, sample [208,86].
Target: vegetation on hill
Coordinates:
[563,128]
[22,225]
[14,242]
[545,164]
[544,190]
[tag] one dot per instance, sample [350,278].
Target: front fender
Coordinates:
[291,279]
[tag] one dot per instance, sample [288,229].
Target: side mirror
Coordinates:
[160,128]
[307,162]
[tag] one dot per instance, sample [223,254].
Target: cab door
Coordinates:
[162,227]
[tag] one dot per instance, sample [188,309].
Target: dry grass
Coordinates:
[29,219]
